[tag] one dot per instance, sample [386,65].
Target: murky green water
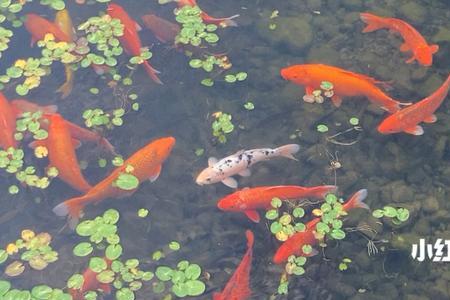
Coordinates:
[399,170]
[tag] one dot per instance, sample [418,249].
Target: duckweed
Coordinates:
[222,126]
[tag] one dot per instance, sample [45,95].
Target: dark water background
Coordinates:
[400,170]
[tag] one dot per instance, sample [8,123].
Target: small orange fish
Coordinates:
[165,31]
[90,283]
[61,152]
[146,163]
[7,124]
[407,119]
[293,246]
[248,200]
[238,287]
[222,22]
[413,40]
[345,84]
[38,27]
[130,39]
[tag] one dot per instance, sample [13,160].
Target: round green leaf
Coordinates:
[125,294]
[195,287]
[111,216]
[97,264]
[193,271]
[113,252]
[42,292]
[164,273]
[4,287]
[83,249]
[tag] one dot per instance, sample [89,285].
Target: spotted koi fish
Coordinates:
[239,163]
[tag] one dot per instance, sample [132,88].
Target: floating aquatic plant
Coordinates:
[193,30]
[330,225]
[96,118]
[286,224]
[221,126]
[55,4]
[398,215]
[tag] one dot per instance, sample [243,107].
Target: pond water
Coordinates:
[399,170]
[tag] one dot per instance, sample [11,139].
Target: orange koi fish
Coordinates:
[7,124]
[38,27]
[222,22]
[248,200]
[90,283]
[345,84]
[146,163]
[61,153]
[238,287]
[413,40]
[64,22]
[165,31]
[293,246]
[130,39]
[407,119]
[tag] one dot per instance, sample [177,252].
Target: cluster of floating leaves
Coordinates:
[193,29]
[326,89]
[55,4]
[221,126]
[284,225]
[185,279]
[5,37]
[39,292]
[36,252]
[8,11]
[398,215]
[101,31]
[95,118]
[330,212]
[209,62]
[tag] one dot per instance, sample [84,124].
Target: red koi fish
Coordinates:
[250,199]
[238,287]
[413,40]
[146,163]
[407,119]
[61,153]
[293,246]
[130,39]
[7,124]
[165,31]
[222,22]
[38,27]
[345,84]
[90,283]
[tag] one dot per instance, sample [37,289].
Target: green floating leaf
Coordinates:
[4,287]
[164,273]
[125,294]
[75,281]
[174,245]
[42,292]
[83,249]
[111,216]
[113,252]
[193,271]
[378,213]
[97,264]
[272,214]
[127,182]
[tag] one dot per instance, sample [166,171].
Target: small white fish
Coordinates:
[239,163]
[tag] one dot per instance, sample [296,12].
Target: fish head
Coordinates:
[230,202]
[295,73]
[207,176]
[389,125]
[114,9]
[424,55]
[163,146]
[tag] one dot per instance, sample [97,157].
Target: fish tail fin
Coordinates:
[357,200]
[229,22]
[107,145]
[50,109]
[392,105]
[322,191]
[100,69]
[72,208]
[373,22]
[250,238]
[288,150]
[65,89]
[152,72]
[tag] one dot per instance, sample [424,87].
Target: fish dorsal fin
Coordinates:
[156,174]
[416,130]
[212,161]
[350,73]
[230,182]
[252,215]
[430,119]
[245,173]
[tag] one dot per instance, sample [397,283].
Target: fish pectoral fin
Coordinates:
[404,47]
[138,27]
[337,100]
[312,253]
[230,182]
[430,119]
[252,215]
[309,90]
[434,48]
[212,161]
[76,143]
[156,174]
[245,173]
[37,143]
[411,60]
[32,42]
[416,130]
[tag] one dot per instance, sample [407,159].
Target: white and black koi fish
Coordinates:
[239,163]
